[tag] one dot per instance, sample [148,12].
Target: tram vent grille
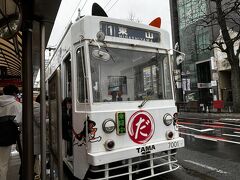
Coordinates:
[142,167]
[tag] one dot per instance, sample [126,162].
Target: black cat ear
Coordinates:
[98,10]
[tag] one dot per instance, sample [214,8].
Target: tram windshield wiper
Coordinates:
[145,100]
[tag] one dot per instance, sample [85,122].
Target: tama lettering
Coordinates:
[145,149]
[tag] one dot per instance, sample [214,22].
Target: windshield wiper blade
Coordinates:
[149,93]
[144,102]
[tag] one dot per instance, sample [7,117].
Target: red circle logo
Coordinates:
[141,127]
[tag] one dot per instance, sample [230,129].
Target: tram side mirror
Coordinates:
[179,59]
[101,55]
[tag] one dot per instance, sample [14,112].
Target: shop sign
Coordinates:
[213,83]
[203,85]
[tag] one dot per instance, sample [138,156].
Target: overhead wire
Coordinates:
[55,45]
[112,5]
[107,4]
[75,9]
[83,5]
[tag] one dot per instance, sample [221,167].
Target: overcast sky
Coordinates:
[143,10]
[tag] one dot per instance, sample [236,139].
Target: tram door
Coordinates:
[67,112]
[55,127]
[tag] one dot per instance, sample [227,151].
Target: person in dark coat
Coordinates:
[67,124]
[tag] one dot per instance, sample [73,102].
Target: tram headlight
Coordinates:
[167,119]
[109,144]
[169,135]
[108,126]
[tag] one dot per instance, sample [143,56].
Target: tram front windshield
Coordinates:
[129,75]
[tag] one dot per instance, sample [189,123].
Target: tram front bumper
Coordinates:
[101,158]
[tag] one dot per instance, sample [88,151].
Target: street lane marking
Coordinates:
[210,126]
[185,122]
[214,126]
[201,119]
[237,125]
[196,136]
[206,138]
[231,135]
[230,119]
[199,130]
[209,137]
[212,138]
[207,167]
[237,132]
[204,125]
[234,142]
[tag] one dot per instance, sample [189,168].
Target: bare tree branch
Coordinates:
[220,46]
[238,50]
[223,15]
[231,9]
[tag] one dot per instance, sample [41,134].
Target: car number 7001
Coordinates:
[173,144]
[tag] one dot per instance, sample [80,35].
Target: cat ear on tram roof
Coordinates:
[156,22]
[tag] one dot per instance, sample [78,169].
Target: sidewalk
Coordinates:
[223,117]
[14,165]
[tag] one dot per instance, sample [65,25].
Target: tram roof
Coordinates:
[11,49]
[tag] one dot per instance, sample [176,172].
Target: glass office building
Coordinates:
[194,40]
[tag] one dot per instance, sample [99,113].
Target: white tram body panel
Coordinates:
[125,148]
[129,93]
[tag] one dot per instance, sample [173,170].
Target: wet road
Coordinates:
[214,137]
[212,150]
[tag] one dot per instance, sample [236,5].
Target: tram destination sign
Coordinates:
[127,32]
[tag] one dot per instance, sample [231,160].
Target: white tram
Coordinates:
[118,74]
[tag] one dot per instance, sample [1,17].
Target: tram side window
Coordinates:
[167,79]
[81,74]
[68,80]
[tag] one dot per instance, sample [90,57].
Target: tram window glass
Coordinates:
[130,75]
[68,80]
[81,73]
[167,79]
[53,121]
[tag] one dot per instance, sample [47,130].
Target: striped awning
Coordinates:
[42,11]
[11,57]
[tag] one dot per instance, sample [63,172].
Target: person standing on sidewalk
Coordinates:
[10,115]
[36,136]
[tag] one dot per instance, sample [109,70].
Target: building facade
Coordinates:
[205,74]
